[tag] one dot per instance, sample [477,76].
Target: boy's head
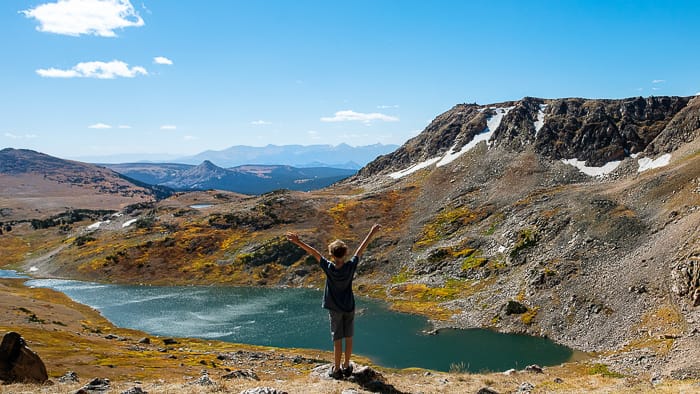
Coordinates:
[338,249]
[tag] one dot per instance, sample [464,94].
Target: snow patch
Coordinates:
[539,123]
[492,124]
[593,171]
[33,269]
[129,222]
[96,225]
[646,163]
[413,168]
[634,155]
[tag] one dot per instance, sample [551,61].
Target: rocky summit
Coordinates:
[573,219]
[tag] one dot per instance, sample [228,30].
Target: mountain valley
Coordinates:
[574,219]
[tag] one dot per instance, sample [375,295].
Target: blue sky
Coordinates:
[94,78]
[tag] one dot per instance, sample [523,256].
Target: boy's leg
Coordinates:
[348,351]
[337,353]
[349,329]
[336,319]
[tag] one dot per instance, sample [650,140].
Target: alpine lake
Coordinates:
[293,318]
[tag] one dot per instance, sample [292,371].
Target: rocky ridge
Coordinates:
[593,131]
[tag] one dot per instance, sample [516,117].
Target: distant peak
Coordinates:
[207,163]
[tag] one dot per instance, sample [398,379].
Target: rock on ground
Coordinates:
[18,363]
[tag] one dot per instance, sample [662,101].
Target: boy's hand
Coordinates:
[293,237]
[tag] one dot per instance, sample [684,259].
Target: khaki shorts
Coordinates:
[342,324]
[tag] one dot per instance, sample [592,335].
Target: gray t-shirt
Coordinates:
[338,292]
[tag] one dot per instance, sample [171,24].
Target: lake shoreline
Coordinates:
[217,312]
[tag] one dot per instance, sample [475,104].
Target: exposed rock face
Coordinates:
[686,279]
[18,363]
[594,131]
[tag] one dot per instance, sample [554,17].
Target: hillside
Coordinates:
[36,185]
[247,179]
[573,219]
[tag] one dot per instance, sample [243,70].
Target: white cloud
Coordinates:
[20,137]
[100,70]
[91,17]
[350,116]
[124,126]
[99,126]
[260,122]
[658,81]
[168,127]
[162,60]
[387,106]
[655,88]
[189,138]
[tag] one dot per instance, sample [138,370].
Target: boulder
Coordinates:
[515,308]
[263,390]
[486,390]
[203,380]
[525,388]
[96,384]
[18,363]
[135,390]
[364,376]
[69,377]
[242,374]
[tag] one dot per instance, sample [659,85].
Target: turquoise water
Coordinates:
[11,274]
[294,318]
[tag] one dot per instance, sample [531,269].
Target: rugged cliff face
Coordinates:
[593,131]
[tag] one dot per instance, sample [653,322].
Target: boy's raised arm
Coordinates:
[294,238]
[365,242]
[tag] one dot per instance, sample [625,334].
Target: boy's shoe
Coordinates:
[347,371]
[336,374]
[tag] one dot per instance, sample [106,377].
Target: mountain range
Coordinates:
[300,156]
[338,156]
[248,179]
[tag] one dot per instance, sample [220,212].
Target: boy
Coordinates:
[337,296]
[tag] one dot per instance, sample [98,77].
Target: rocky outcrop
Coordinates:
[18,363]
[685,278]
[366,377]
[600,131]
[684,127]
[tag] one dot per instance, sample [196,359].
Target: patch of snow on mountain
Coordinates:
[492,124]
[646,163]
[413,168]
[593,171]
[540,119]
[96,225]
[129,222]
